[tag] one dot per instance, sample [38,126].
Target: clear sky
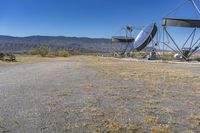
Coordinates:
[83,18]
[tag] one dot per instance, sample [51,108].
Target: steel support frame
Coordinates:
[177,49]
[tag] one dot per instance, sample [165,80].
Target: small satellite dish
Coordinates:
[127,39]
[124,39]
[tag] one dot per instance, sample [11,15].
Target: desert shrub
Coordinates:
[196,57]
[63,53]
[2,56]
[33,52]
[59,53]
[84,53]
[53,53]
[139,54]
[169,55]
[43,50]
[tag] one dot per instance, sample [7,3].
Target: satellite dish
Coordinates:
[145,36]
[127,39]
[124,39]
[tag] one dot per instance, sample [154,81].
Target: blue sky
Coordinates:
[82,18]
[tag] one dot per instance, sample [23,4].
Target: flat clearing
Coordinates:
[94,94]
[28,59]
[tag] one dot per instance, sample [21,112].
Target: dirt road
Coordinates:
[94,94]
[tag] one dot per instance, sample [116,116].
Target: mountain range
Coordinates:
[83,44]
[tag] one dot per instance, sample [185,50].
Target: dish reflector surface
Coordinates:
[145,36]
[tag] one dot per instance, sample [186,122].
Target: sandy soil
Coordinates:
[94,94]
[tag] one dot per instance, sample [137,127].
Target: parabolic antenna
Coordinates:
[125,39]
[145,36]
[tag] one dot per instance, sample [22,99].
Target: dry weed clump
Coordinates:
[195,120]
[64,94]
[152,120]
[93,111]
[196,117]
[188,132]
[161,129]
[116,127]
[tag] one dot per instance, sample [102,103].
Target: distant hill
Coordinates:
[55,43]
[17,44]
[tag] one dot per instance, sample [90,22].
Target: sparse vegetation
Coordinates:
[159,84]
[59,53]
[161,129]
[43,50]
[33,52]
[139,54]
[151,120]
[168,55]
[63,94]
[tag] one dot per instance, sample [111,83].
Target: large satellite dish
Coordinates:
[145,36]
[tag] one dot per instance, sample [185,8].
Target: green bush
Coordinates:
[33,52]
[63,53]
[53,53]
[59,53]
[43,50]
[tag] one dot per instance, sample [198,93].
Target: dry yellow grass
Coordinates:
[94,111]
[151,120]
[116,127]
[33,59]
[196,117]
[195,121]
[152,73]
[158,80]
[63,94]
[161,129]
[188,132]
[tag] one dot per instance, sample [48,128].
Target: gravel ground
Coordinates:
[74,96]
[28,92]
